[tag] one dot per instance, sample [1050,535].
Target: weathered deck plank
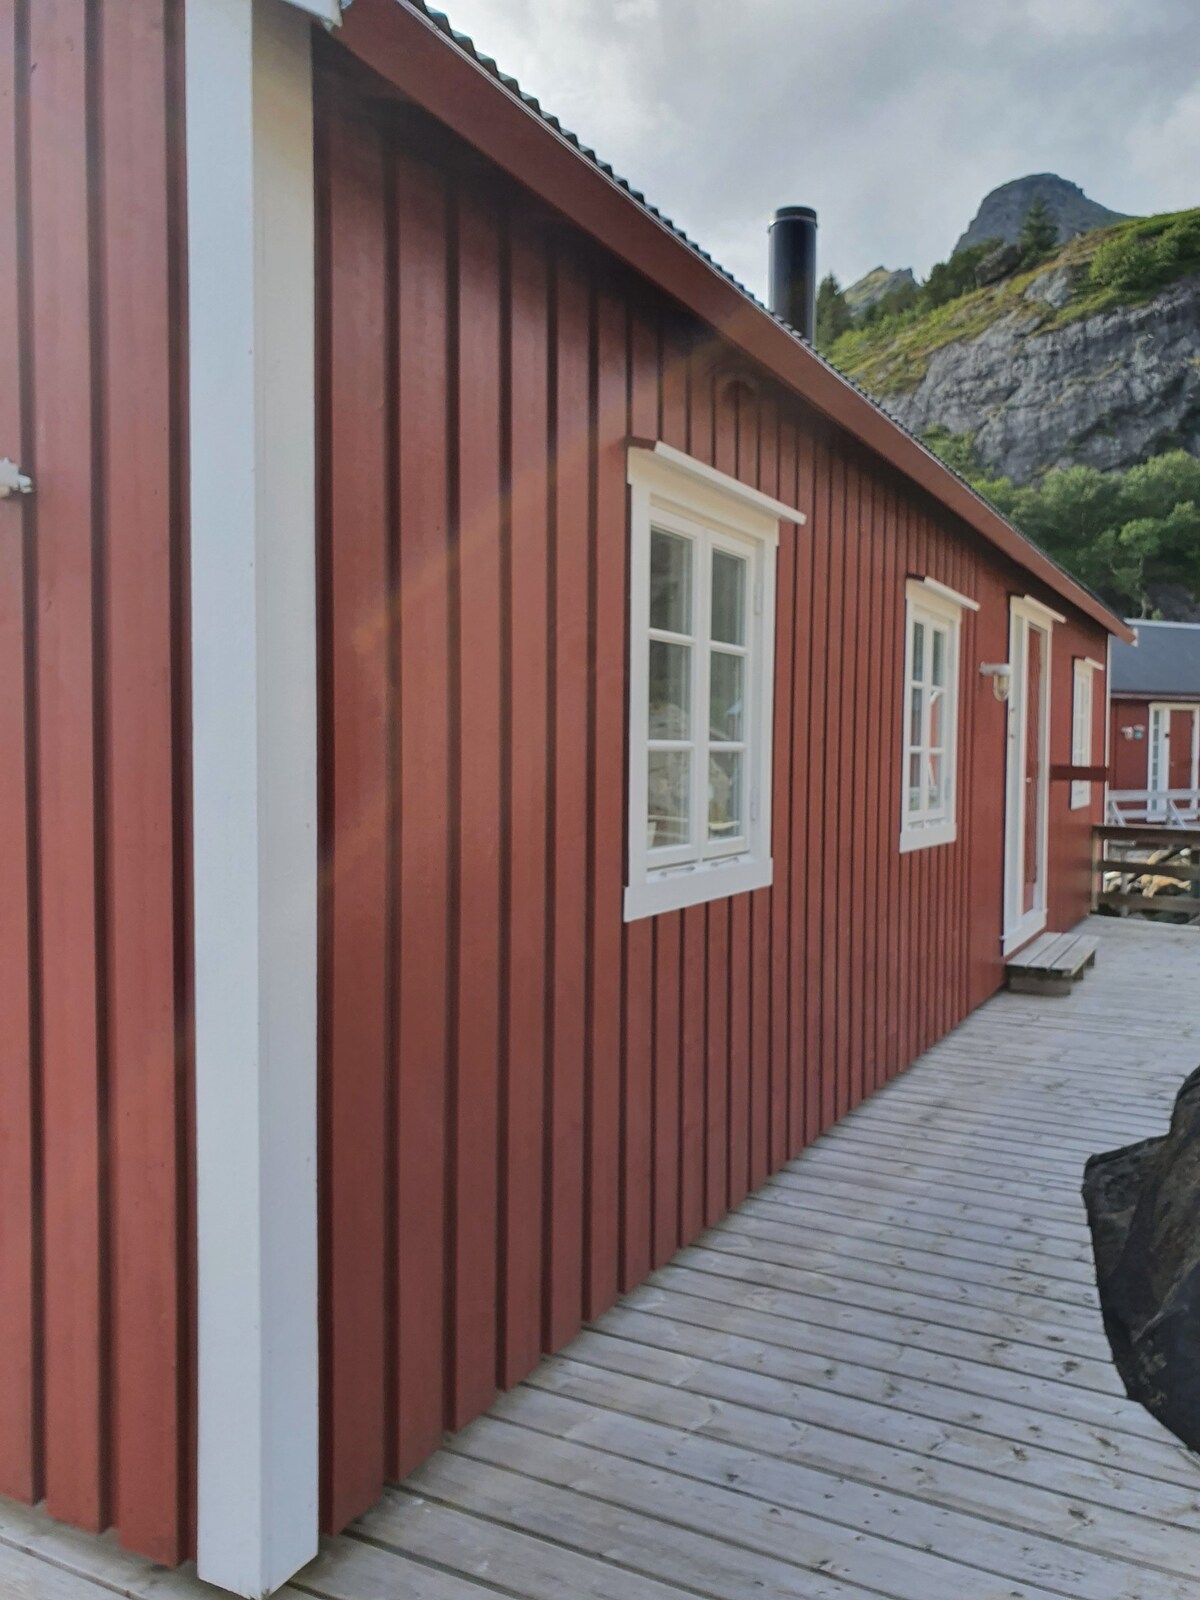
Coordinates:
[883,1376]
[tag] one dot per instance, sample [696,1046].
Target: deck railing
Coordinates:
[1150,863]
[1171,808]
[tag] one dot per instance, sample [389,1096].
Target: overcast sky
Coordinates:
[893,117]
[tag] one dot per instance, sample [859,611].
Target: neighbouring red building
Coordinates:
[1154,697]
[502,745]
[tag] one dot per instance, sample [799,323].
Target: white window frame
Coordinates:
[936,606]
[1083,717]
[671,491]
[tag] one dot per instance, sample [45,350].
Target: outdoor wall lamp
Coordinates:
[1001,675]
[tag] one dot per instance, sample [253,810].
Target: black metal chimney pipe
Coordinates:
[793,292]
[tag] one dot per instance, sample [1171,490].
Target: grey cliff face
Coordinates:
[1107,390]
[871,288]
[1003,211]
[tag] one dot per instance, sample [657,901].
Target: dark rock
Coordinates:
[1172,602]
[1002,213]
[1143,1205]
[999,263]
[880,281]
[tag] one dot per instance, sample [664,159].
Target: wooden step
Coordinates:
[1051,964]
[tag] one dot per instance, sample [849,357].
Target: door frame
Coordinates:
[1019,925]
[1158,718]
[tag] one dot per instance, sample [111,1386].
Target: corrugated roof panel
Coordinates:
[1164,663]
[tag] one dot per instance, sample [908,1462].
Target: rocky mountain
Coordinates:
[1063,383]
[1091,356]
[1003,211]
[1034,390]
[872,287]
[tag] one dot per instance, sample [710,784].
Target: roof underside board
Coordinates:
[417,52]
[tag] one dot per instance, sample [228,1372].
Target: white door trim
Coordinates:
[1020,925]
[1160,712]
[250,230]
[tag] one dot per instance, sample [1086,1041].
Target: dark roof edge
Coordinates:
[1166,696]
[415,49]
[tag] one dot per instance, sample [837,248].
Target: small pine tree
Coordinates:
[834,316]
[1039,232]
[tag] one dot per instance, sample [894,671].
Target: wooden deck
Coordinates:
[884,1375]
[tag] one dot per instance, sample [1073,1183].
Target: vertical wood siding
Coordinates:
[1130,757]
[527,1102]
[95,1414]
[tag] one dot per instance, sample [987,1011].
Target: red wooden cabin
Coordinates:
[502,745]
[1154,738]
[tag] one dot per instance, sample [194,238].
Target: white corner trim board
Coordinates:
[250,232]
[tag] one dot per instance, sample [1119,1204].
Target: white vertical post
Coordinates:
[252,409]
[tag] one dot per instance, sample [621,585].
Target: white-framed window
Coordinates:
[1082,719]
[933,626]
[701,681]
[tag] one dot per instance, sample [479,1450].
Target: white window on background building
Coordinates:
[1082,719]
[931,679]
[701,682]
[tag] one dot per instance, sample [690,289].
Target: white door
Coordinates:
[1026,811]
[1173,759]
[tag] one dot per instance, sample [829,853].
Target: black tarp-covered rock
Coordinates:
[1143,1205]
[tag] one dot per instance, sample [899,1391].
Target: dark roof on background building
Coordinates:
[1163,664]
[382,34]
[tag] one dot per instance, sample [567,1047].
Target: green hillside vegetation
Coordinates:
[888,350]
[1121,533]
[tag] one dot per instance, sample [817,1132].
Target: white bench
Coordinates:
[1052,963]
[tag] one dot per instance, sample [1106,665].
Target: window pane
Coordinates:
[725,703]
[914,781]
[725,795]
[937,702]
[939,656]
[916,732]
[934,771]
[670,582]
[670,690]
[918,652]
[667,797]
[728,598]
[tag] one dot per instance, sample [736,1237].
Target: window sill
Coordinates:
[927,838]
[676,890]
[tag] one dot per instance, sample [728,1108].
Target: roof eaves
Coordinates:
[986,519]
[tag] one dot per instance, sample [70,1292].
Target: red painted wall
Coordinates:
[95,1279]
[1130,756]
[528,1103]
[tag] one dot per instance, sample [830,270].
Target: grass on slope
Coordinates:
[1125,264]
